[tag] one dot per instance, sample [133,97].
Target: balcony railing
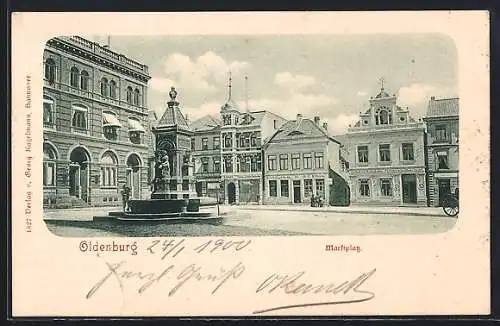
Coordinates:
[96,48]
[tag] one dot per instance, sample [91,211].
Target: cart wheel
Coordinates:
[451,211]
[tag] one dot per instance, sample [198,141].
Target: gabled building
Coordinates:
[386,155]
[96,132]
[237,140]
[303,160]
[442,147]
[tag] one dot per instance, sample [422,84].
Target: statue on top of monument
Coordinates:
[172,93]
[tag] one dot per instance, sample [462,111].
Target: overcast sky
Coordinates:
[330,76]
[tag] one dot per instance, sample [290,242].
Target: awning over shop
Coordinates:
[110,120]
[135,126]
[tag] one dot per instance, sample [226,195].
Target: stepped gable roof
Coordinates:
[443,107]
[205,123]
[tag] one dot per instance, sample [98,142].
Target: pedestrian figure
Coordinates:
[125,197]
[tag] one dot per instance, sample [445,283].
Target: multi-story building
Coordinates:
[95,124]
[442,148]
[229,151]
[386,155]
[303,160]
[206,147]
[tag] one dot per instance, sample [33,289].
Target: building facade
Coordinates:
[302,160]
[206,147]
[386,155]
[442,148]
[95,124]
[228,152]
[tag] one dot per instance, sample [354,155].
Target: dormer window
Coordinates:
[383,116]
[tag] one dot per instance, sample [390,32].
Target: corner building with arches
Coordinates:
[96,125]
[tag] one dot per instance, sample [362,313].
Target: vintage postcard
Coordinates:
[250,164]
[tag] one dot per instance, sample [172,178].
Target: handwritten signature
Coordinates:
[192,272]
[293,285]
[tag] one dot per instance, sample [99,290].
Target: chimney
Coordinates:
[316,120]
[299,117]
[325,126]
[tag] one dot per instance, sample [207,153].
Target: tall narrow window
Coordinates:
[48,112]
[104,87]
[441,133]
[109,165]
[385,187]
[253,141]
[295,161]
[284,188]
[84,80]
[364,188]
[442,158]
[129,95]
[137,97]
[79,119]
[271,162]
[216,165]
[49,166]
[320,187]
[50,71]
[307,161]
[318,158]
[407,149]
[273,189]
[204,164]
[228,163]
[193,144]
[383,116]
[385,152]
[228,140]
[363,154]
[216,142]
[204,144]
[283,161]
[112,89]
[74,77]
[308,187]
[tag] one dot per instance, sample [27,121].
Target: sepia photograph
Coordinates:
[223,165]
[250,135]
